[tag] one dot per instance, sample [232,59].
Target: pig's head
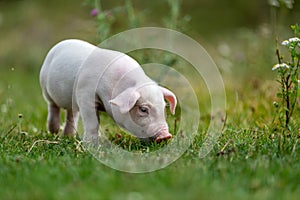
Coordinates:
[141,110]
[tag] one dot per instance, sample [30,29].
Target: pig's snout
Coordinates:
[159,134]
[163,136]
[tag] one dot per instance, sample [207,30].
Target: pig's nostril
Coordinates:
[163,138]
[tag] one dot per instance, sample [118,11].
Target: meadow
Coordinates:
[253,158]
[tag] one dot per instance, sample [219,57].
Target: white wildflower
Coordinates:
[34,129]
[294,39]
[298,81]
[274,3]
[282,65]
[285,43]
[289,4]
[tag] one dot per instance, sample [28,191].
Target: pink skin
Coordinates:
[74,72]
[163,135]
[150,124]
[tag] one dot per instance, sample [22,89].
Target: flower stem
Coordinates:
[98,5]
[277,52]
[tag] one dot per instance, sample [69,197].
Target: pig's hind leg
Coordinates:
[53,118]
[71,122]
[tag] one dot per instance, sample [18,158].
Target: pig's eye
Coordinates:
[144,110]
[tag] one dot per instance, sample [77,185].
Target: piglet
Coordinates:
[82,78]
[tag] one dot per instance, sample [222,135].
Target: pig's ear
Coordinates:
[126,100]
[171,98]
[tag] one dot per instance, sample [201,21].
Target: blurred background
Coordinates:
[28,28]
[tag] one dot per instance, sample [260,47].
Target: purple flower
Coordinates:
[94,12]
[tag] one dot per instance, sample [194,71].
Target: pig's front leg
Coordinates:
[90,120]
[85,97]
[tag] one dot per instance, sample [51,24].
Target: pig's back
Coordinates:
[60,68]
